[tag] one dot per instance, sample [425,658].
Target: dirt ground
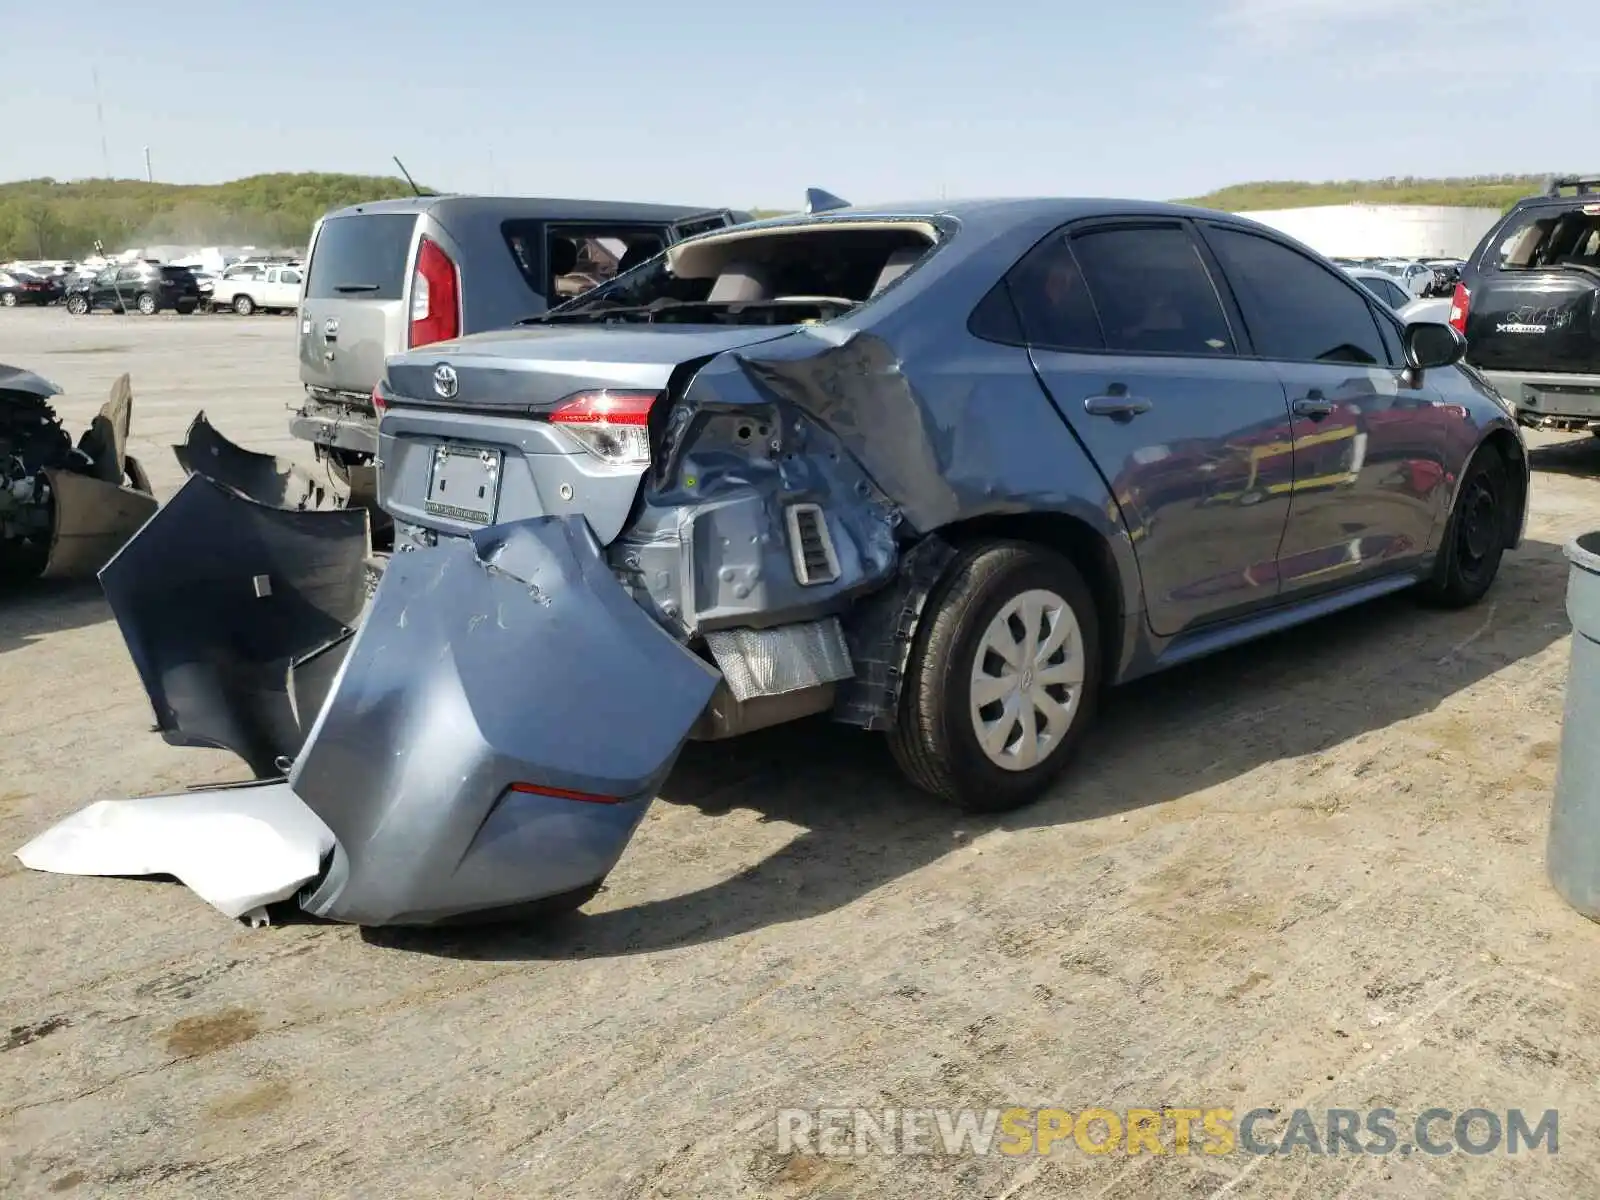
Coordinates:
[1308,873]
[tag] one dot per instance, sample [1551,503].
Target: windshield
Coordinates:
[778,275]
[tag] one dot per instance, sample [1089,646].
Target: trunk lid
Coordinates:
[467,441]
[1536,320]
[352,311]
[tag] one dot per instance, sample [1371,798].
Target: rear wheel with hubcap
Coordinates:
[1002,679]
[9,299]
[77,305]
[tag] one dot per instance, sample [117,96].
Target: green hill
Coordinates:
[41,218]
[1472,191]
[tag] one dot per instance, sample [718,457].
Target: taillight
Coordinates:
[377,398]
[435,296]
[612,426]
[1460,302]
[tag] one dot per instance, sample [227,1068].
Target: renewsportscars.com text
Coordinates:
[1018,1131]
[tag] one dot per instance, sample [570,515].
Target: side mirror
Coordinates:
[1430,345]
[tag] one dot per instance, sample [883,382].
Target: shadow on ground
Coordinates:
[31,609]
[1576,456]
[1161,738]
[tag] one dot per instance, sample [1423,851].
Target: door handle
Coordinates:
[1314,405]
[1117,407]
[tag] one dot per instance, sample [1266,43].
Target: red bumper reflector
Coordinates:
[534,789]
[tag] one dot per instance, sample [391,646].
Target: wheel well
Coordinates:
[1504,443]
[1076,541]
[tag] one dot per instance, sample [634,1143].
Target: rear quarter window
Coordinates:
[1544,238]
[361,257]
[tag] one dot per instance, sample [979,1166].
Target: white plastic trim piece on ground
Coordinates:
[237,848]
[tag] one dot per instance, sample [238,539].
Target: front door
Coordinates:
[1369,450]
[1136,349]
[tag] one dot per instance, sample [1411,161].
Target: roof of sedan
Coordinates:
[994,213]
[537,208]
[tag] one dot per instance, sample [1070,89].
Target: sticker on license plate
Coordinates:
[464,484]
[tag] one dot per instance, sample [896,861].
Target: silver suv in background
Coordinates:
[395,275]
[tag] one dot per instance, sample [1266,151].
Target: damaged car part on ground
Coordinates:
[65,509]
[940,472]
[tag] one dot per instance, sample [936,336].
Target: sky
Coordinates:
[748,105]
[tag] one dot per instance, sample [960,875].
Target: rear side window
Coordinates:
[1152,292]
[1297,310]
[361,257]
[1052,300]
[1544,239]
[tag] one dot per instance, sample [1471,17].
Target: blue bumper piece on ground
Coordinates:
[491,734]
[501,722]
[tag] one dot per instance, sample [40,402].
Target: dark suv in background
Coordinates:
[1529,304]
[147,287]
[391,276]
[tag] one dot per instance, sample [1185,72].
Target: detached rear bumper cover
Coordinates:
[512,658]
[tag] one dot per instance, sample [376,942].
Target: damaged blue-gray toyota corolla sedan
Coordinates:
[941,471]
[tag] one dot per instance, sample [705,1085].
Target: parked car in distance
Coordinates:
[386,277]
[1412,276]
[144,287]
[267,288]
[1382,285]
[24,287]
[1113,436]
[1529,305]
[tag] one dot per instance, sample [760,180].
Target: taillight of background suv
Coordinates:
[1460,303]
[435,296]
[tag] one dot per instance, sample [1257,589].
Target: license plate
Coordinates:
[464,484]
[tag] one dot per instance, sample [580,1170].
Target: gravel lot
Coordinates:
[1308,873]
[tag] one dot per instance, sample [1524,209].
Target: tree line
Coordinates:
[44,218]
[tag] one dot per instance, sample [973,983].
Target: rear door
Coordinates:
[1137,350]
[1533,302]
[1361,437]
[353,312]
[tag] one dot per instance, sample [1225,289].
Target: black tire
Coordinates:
[243,305]
[147,304]
[77,305]
[935,742]
[9,299]
[1474,537]
[184,309]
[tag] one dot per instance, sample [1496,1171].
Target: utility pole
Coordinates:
[149,176]
[100,119]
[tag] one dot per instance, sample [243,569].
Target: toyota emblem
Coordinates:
[444,381]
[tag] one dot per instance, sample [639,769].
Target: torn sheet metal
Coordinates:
[218,597]
[711,545]
[237,848]
[91,520]
[500,724]
[259,477]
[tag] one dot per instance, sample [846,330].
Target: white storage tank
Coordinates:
[1383,230]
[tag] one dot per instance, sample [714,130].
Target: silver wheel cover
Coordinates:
[1027,680]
